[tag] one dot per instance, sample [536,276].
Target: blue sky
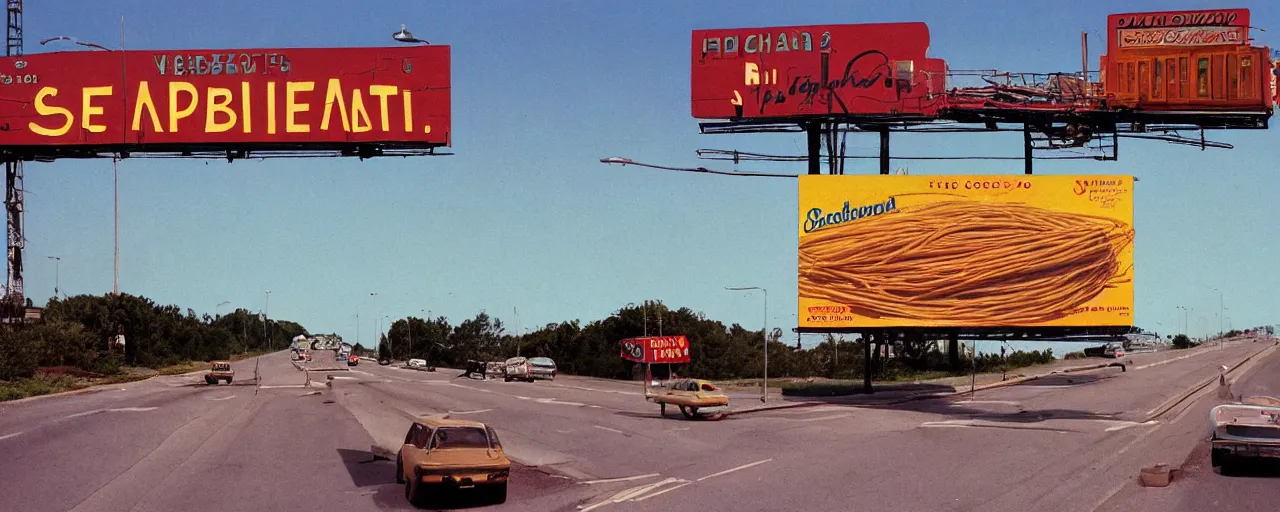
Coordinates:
[524,216]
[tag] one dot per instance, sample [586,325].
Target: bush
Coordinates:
[1074,355]
[1182,341]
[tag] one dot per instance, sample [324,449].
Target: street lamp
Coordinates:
[57,262]
[764,390]
[405,36]
[1220,311]
[266,320]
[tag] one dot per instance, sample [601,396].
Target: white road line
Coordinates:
[1166,361]
[279,386]
[133,409]
[478,411]
[627,494]
[1129,424]
[221,398]
[664,491]
[821,418]
[554,401]
[995,402]
[85,413]
[614,430]
[7,436]
[608,480]
[739,468]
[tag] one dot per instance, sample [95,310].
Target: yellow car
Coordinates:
[695,397]
[452,454]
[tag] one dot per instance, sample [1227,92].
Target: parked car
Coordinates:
[1115,350]
[384,361]
[452,454]
[542,368]
[417,363]
[219,370]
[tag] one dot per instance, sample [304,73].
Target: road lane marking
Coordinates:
[121,409]
[85,413]
[633,492]
[994,402]
[609,480]
[7,436]
[1128,424]
[664,491]
[554,401]
[478,411]
[221,398]
[614,430]
[739,468]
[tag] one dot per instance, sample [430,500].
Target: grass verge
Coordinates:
[49,384]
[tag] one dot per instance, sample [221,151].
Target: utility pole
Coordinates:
[115,186]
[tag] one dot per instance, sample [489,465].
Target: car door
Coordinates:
[414,450]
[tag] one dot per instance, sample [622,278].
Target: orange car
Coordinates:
[452,454]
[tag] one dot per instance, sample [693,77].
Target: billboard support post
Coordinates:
[1026,148]
[884,151]
[866,362]
[813,131]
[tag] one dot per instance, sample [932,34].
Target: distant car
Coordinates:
[454,454]
[353,360]
[1115,350]
[417,363]
[384,361]
[219,370]
[542,368]
[517,368]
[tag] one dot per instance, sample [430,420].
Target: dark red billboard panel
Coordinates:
[820,70]
[254,98]
[1177,29]
[656,349]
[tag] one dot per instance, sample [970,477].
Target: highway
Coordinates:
[1066,442]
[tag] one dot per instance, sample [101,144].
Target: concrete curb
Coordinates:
[1182,397]
[94,388]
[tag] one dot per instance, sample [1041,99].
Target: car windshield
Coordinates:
[461,437]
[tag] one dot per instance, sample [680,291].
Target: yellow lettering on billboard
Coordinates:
[383,92]
[358,113]
[174,112]
[333,95]
[45,109]
[219,102]
[408,110]
[245,111]
[292,107]
[965,251]
[271,107]
[88,109]
[144,101]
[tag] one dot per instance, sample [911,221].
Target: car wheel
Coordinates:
[413,490]
[685,412]
[506,379]
[228,380]
[399,470]
[498,494]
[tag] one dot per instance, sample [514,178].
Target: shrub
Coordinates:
[1182,341]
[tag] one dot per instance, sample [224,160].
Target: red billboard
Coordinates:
[656,349]
[176,100]
[820,70]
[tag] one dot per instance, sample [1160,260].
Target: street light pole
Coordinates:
[115,186]
[266,321]
[57,262]
[1220,312]
[764,389]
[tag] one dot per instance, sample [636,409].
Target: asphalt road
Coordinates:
[1200,486]
[172,443]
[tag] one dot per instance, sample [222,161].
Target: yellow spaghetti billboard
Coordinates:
[965,251]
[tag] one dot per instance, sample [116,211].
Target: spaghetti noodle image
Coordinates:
[965,263]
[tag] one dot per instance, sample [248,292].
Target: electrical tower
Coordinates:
[13,301]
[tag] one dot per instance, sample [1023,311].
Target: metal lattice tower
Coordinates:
[13,202]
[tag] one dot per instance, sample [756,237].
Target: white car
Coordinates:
[417,363]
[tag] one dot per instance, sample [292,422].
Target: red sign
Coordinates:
[656,349]
[865,69]
[1177,28]
[150,100]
